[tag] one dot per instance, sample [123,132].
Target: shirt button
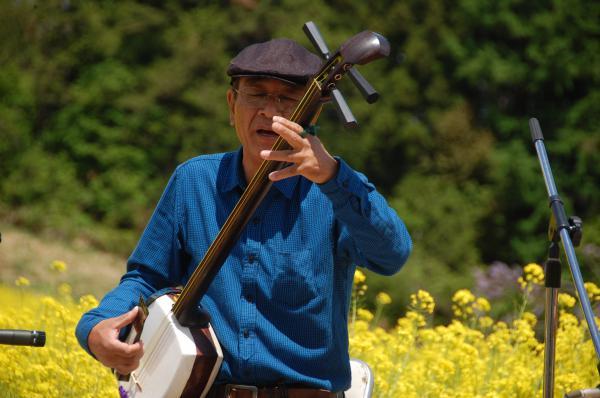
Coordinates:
[345,184]
[255,220]
[246,333]
[251,258]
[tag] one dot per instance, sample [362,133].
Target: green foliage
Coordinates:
[44,182]
[434,226]
[101,100]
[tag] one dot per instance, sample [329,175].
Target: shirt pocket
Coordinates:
[295,286]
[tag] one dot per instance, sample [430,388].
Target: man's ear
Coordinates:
[231,103]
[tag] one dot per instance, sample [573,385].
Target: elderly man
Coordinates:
[279,304]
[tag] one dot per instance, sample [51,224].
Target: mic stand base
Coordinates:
[587,393]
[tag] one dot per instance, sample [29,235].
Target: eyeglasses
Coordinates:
[258,99]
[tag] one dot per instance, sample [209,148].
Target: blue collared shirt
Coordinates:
[279,305]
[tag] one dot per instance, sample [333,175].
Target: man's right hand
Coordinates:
[104,343]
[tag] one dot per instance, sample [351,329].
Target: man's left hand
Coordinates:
[308,156]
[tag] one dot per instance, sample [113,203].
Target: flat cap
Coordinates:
[283,59]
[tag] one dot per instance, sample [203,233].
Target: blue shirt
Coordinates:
[279,305]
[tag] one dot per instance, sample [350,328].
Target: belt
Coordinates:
[245,391]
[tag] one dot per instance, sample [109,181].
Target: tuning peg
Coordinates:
[365,88]
[341,105]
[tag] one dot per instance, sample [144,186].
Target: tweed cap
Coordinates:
[282,59]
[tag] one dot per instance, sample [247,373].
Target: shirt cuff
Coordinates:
[82,332]
[343,185]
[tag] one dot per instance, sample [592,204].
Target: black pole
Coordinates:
[552,278]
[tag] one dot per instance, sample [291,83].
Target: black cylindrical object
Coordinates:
[34,338]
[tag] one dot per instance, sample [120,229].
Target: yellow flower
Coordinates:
[423,301]
[364,314]
[383,298]
[593,291]
[58,266]
[359,277]
[87,302]
[482,305]
[530,318]
[61,368]
[64,290]
[534,273]
[463,297]
[462,303]
[416,318]
[566,300]
[485,322]
[22,281]
[411,359]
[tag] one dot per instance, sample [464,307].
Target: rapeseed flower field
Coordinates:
[472,356]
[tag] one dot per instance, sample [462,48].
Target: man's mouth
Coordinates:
[266,133]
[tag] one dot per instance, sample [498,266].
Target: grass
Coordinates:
[89,270]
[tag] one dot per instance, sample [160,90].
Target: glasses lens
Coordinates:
[288,104]
[260,100]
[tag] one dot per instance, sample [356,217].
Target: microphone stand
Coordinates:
[567,231]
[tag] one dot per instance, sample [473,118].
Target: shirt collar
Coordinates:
[235,177]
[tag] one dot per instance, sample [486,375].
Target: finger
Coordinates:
[288,123]
[289,131]
[290,156]
[128,351]
[126,318]
[288,172]
[290,136]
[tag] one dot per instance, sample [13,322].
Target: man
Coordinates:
[279,304]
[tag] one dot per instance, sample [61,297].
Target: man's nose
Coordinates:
[271,108]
